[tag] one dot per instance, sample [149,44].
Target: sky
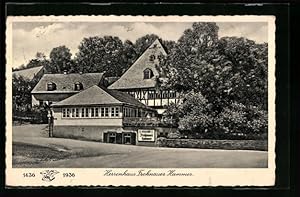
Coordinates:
[32,37]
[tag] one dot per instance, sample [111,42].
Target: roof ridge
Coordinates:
[104,89]
[83,92]
[73,73]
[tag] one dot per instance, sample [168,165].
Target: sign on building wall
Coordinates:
[146,135]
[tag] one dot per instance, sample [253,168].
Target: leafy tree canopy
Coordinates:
[98,54]
[60,60]
[225,70]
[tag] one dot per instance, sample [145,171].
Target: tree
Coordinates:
[225,70]
[98,54]
[39,60]
[21,92]
[168,45]
[230,73]
[193,114]
[60,60]
[249,76]
[242,120]
[191,63]
[129,54]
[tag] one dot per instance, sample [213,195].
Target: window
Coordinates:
[126,114]
[76,112]
[172,94]
[102,111]
[92,112]
[86,112]
[148,74]
[78,86]
[96,112]
[151,94]
[51,86]
[63,113]
[82,112]
[41,103]
[68,113]
[158,95]
[133,112]
[73,112]
[106,112]
[112,112]
[117,112]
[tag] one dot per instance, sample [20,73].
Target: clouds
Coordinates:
[251,30]
[30,38]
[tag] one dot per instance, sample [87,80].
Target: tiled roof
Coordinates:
[28,73]
[96,95]
[134,76]
[65,82]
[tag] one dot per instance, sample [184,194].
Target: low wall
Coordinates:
[158,131]
[214,144]
[94,133]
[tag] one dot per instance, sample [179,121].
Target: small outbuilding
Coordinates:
[100,114]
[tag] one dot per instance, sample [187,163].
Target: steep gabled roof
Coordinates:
[96,95]
[133,77]
[28,73]
[65,82]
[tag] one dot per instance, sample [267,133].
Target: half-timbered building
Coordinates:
[141,80]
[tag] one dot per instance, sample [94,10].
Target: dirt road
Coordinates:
[70,153]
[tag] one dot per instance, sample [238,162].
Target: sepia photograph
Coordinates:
[166,93]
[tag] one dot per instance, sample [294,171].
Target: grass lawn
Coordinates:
[28,154]
[33,148]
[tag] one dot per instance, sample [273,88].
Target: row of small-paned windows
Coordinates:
[91,112]
[130,112]
[152,94]
[52,86]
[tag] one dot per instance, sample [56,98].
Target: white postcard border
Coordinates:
[95,176]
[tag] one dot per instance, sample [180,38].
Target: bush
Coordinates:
[193,114]
[39,115]
[174,135]
[232,119]
[160,141]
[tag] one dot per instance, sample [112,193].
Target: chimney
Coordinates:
[65,72]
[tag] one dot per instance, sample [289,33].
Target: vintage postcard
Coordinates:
[140,101]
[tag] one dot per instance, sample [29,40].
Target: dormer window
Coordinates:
[78,86]
[51,86]
[148,74]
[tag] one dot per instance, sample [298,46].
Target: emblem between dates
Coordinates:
[49,175]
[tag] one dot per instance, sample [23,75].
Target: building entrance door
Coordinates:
[126,138]
[112,138]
